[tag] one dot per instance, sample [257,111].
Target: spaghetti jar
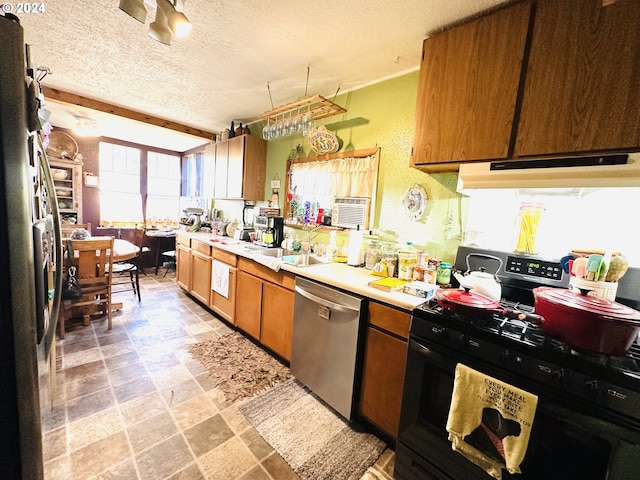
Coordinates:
[528,222]
[390,259]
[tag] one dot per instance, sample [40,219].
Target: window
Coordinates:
[163,188]
[136,184]
[120,198]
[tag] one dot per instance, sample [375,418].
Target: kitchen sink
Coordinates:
[304,260]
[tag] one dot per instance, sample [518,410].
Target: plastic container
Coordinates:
[407,261]
[390,259]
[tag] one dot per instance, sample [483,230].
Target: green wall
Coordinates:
[382,115]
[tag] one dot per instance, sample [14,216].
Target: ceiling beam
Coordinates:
[72,98]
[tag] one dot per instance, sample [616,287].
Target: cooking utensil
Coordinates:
[566,262]
[595,266]
[586,322]
[466,302]
[579,267]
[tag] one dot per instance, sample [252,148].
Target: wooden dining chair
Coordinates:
[133,266]
[94,260]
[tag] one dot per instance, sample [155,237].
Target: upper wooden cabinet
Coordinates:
[240,166]
[67,180]
[581,92]
[468,87]
[537,78]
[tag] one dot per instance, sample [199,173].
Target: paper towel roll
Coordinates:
[354,255]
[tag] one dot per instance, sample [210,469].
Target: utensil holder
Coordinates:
[606,290]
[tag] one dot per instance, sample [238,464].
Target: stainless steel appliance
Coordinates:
[325,342]
[30,263]
[587,421]
[269,230]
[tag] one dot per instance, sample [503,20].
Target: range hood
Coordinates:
[577,172]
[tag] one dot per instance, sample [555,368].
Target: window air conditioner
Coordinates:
[351,212]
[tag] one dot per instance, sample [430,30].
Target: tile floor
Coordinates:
[132,403]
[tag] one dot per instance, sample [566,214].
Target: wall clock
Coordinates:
[414,201]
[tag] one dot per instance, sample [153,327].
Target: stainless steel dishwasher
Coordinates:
[325,339]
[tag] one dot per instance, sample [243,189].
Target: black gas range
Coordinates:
[588,419]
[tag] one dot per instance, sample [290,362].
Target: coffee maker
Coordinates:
[269,230]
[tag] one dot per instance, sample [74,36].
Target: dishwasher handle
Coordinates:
[325,303]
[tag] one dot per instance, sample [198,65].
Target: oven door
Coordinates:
[565,442]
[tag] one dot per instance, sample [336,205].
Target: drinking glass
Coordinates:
[296,123]
[307,122]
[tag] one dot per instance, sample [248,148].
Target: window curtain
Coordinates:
[341,177]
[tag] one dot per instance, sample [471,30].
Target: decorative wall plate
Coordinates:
[414,201]
[323,141]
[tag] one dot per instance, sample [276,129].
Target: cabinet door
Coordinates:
[277,319]
[183,267]
[67,179]
[201,276]
[382,380]
[225,306]
[468,85]
[221,170]
[581,91]
[254,168]
[249,303]
[235,170]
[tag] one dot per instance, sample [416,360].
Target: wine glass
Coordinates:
[296,123]
[307,122]
[286,125]
[266,131]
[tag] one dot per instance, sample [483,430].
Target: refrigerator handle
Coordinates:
[57,233]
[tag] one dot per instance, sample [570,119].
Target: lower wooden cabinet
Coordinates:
[384,363]
[277,318]
[249,304]
[183,266]
[264,308]
[200,271]
[225,306]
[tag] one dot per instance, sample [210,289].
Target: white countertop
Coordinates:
[340,275]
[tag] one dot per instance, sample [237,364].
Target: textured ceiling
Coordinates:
[220,71]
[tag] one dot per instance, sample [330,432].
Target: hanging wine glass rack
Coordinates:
[319,107]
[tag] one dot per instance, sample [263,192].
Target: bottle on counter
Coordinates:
[332,249]
[296,246]
[443,275]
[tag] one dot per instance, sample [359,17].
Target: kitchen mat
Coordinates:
[313,440]
[238,367]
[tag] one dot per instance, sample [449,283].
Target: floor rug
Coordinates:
[238,367]
[315,441]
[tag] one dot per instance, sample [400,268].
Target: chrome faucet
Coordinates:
[309,237]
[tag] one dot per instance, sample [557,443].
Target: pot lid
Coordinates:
[466,298]
[588,303]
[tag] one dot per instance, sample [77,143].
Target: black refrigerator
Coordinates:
[30,266]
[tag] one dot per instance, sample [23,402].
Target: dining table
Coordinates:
[164,240]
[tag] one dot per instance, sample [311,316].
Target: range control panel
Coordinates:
[533,268]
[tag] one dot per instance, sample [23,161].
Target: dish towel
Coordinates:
[220,278]
[490,421]
[273,263]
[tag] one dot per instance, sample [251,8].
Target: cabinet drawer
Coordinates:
[223,256]
[183,240]
[284,279]
[390,319]
[201,247]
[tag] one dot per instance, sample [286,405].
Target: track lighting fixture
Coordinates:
[176,20]
[135,8]
[169,22]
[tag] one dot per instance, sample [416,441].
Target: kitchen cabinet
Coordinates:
[266,309]
[239,167]
[384,364]
[200,271]
[581,92]
[183,262]
[224,306]
[468,89]
[67,179]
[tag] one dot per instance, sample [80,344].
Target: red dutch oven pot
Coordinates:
[585,322]
[467,302]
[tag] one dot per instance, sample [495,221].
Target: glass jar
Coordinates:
[443,274]
[407,260]
[373,255]
[528,222]
[390,259]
